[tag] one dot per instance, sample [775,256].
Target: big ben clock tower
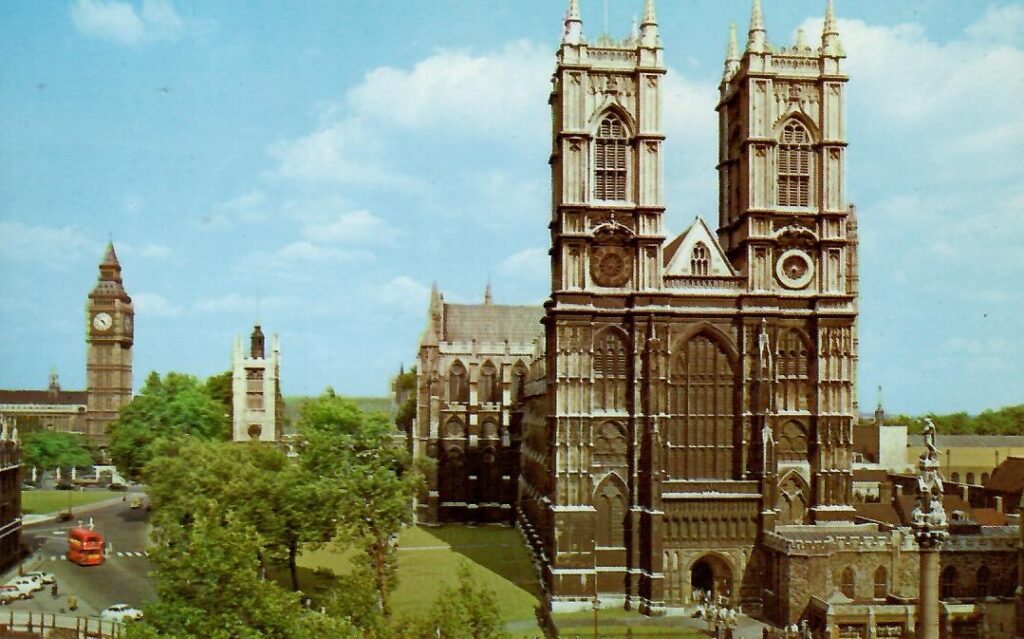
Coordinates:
[109,335]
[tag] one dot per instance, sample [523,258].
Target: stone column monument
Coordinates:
[930,530]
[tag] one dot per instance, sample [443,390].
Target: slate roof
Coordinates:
[492,323]
[61,398]
[1008,477]
[883,513]
[989,517]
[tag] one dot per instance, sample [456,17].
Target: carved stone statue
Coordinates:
[929,438]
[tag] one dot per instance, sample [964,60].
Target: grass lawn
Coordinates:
[39,502]
[427,559]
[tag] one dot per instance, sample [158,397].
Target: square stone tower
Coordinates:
[256,391]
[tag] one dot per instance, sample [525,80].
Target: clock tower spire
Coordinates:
[109,337]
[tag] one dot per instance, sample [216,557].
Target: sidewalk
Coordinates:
[35,520]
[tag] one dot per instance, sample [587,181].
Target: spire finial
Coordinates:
[487,293]
[732,55]
[756,34]
[649,26]
[573,33]
[830,44]
[801,41]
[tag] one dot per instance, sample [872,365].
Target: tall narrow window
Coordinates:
[699,260]
[609,371]
[983,582]
[611,159]
[948,583]
[458,386]
[703,401]
[848,585]
[881,583]
[795,165]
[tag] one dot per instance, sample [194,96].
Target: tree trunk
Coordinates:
[293,551]
[379,552]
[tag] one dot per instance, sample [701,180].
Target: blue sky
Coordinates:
[333,158]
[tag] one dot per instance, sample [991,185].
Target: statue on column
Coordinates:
[929,438]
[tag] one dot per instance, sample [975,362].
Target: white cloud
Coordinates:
[355,227]
[149,250]
[405,294]
[155,305]
[249,208]
[492,94]
[999,25]
[528,264]
[345,151]
[124,23]
[308,251]
[48,245]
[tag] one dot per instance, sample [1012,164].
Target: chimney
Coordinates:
[965,492]
[899,490]
[999,503]
[885,492]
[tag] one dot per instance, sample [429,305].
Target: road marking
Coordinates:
[138,554]
[54,558]
[120,554]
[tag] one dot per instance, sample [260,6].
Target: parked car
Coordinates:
[25,586]
[10,593]
[116,486]
[120,613]
[44,578]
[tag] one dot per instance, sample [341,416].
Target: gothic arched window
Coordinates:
[610,371]
[703,399]
[488,390]
[458,386]
[611,514]
[611,159]
[793,361]
[970,478]
[848,585]
[947,582]
[519,373]
[699,259]
[983,582]
[795,165]
[881,583]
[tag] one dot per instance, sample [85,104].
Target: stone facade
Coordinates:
[696,390]
[471,369]
[10,496]
[256,390]
[110,336]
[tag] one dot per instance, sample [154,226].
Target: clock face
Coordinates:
[102,321]
[610,266]
[794,269]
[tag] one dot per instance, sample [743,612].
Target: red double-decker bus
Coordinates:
[85,547]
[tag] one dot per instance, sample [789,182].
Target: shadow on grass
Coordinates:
[498,549]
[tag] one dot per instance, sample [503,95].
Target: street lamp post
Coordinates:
[596,603]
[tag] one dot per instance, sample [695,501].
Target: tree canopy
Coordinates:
[168,407]
[45,449]
[1008,420]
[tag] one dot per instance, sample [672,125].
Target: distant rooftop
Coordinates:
[492,323]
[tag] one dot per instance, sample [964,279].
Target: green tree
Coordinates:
[466,611]
[170,407]
[46,449]
[405,386]
[291,508]
[375,476]
[208,586]
[219,387]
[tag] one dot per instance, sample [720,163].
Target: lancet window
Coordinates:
[611,513]
[699,260]
[795,159]
[703,400]
[458,383]
[611,159]
[610,371]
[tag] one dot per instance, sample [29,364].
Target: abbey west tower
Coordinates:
[694,393]
[109,337]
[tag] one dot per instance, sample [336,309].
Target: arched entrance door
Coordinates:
[711,574]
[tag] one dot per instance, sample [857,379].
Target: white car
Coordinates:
[44,578]
[121,613]
[11,593]
[25,585]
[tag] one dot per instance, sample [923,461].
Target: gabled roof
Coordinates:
[678,252]
[1008,477]
[882,513]
[492,323]
[44,397]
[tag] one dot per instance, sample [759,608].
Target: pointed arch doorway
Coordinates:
[711,574]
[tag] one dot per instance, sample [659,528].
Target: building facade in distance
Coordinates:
[256,389]
[471,369]
[10,494]
[110,335]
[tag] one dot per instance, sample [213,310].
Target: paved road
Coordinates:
[122,578]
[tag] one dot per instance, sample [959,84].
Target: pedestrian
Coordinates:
[72,602]
[53,590]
